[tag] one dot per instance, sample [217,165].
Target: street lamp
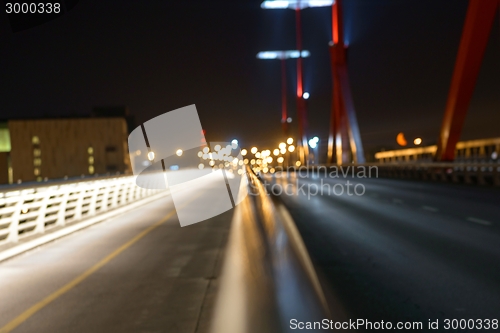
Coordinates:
[298,5]
[283,55]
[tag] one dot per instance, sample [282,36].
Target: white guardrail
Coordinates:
[26,212]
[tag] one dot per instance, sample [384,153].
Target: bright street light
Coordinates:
[305,95]
[313,143]
[295,4]
[289,141]
[253,150]
[293,54]
[417,141]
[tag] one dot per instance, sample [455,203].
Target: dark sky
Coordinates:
[158,55]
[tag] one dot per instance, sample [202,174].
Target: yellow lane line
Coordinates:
[55,295]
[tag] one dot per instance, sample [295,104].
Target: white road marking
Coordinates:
[430,209]
[479,221]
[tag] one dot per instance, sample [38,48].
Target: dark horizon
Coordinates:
[155,57]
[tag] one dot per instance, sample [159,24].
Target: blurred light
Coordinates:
[276,4]
[269,159]
[283,150]
[211,163]
[91,169]
[417,141]
[217,147]
[179,152]
[272,170]
[201,166]
[235,161]
[293,54]
[276,152]
[258,154]
[295,4]
[494,155]
[313,144]
[252,161]
[289,141]
[289,120]
[305,95]
[206,150]
[244,152]
[401,140]
[291,148]
[298,163]
[282,145]
[200,154]
[174,167]
[151,156]
[245,161]
[234,144]
[253,150]
[280,159]
[234,141]
[265,170]
[316,139]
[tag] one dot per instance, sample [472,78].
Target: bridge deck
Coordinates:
[128,274]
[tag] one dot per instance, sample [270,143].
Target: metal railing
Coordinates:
[487,174]
[267,278]
[29,211]
[464,173]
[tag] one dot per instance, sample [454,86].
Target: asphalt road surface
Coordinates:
[139,272]
[403,251]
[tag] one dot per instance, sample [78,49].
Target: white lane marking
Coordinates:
[398,201]
[430,209]
[479,221]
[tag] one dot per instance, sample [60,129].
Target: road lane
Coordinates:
[383,256]
[164,281]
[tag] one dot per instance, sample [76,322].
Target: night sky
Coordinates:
[155,56]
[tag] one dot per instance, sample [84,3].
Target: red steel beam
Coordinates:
[301,105]
[344,130]
[477,27]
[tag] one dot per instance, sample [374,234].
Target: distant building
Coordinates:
[32,150]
